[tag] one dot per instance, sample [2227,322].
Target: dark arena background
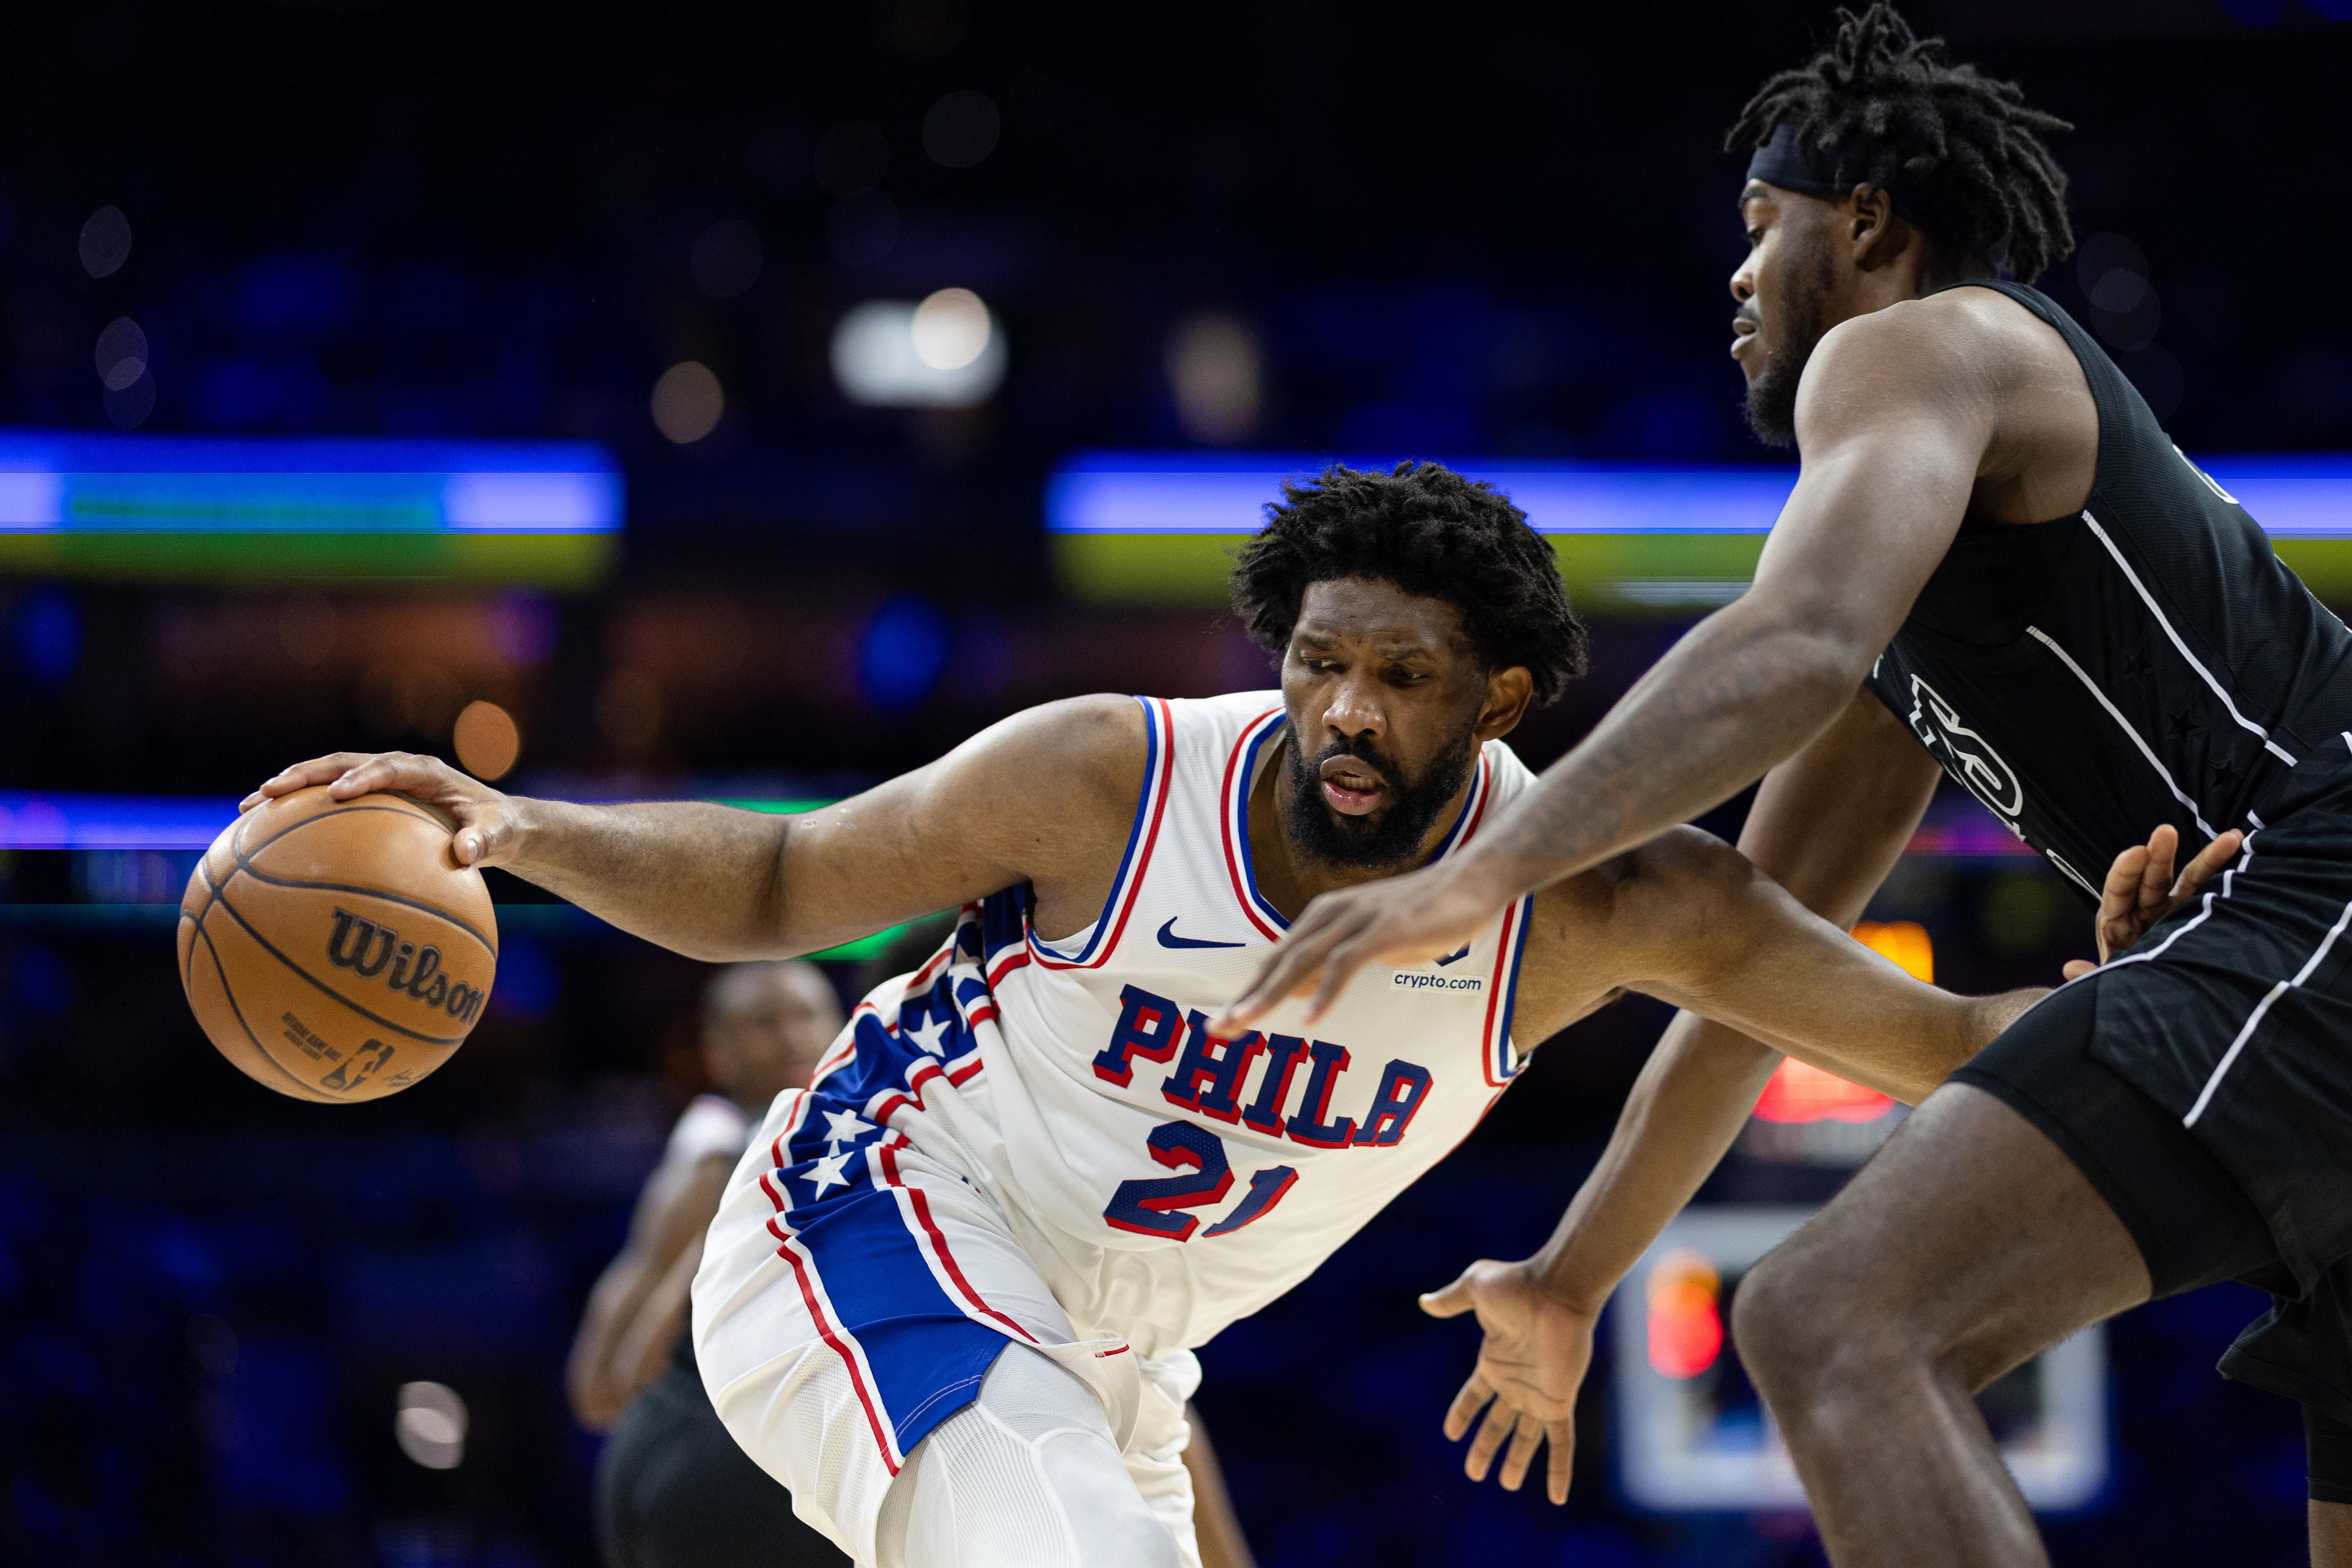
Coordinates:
[750,403]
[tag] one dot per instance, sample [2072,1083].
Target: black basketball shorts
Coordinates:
[2203,1083]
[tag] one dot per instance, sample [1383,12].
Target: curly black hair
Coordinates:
[1429,531]
[1895,114]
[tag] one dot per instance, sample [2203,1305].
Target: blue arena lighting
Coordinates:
[174,507]
[1154,527]
[175,483]
[1219,493]
[2294,496]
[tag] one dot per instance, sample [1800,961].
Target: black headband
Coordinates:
[1793,163]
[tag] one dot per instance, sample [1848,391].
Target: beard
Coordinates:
[1386,839]
[1773,395]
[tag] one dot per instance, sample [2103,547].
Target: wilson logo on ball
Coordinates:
[369,949]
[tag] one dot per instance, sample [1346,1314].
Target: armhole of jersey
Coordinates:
[1142,833]
[1500,1058]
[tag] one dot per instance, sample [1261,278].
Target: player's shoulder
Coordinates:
[1954,341]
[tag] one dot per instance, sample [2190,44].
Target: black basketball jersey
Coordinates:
[2147,660]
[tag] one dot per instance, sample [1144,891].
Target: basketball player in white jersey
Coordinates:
[951,1294]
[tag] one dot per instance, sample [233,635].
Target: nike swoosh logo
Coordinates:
[1452,957]
[1168,939]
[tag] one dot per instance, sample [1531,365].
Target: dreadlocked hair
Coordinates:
[1888,107]
[1429,531]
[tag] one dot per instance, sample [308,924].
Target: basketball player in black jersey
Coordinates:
[1994,562]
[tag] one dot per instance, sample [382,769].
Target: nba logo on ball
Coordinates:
[333,949]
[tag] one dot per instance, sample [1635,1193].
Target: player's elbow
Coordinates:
[1681,892]
[1807,644]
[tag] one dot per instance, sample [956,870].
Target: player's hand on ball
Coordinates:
[1412,919]
[1530,1365]
[2141,890]
[485,825]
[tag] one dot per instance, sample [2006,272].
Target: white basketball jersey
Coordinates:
[1167,1182]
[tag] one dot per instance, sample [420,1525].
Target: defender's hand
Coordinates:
[2141,890]
[486,828]
[1403,920]
[1529,1366]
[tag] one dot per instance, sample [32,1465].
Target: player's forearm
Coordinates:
[1689,1104]
[1744,690]
[700,879]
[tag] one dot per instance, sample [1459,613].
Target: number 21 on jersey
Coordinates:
[1153,1205]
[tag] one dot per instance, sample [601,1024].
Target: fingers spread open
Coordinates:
[1525,1438]
[1465,1408]
[1493,1432]
[1562,1438]
[1292,970]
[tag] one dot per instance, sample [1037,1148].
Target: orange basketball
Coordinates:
[333,949]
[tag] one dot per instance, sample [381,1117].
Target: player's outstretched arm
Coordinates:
[1044,796]
[1895,417]
[1720,938]
[1829,823]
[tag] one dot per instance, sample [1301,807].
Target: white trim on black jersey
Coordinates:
[2039,635]
[2273,746]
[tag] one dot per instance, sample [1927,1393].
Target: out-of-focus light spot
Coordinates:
[527,980]
[1686,1316]
[2255,12]
[688,402]
[928,29]
[862,229]
[903,653]
[105,242]
[2333,10]
[429,1424]
[877,362]
[727,257]
[852,157]
[1904,943]
[629,709]
[121,354]
[487,740]
[1799,1092]
[49,636]
[1215,373]
[951,329]
[2114,277]
[961,130]
[307,629]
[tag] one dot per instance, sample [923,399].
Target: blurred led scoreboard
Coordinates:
[202,508]
[1693,1435]
[1156,526]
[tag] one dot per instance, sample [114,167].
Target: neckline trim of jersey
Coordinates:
[1241,777]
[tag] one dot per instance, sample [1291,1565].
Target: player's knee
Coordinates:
[1792,1328]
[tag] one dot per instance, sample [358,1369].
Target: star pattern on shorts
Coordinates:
[826,1172]
[844,1127]
[2137,668]
[927,1037]
[2180,727]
